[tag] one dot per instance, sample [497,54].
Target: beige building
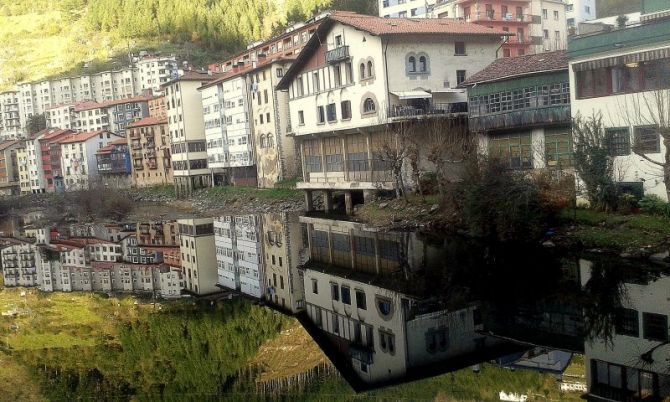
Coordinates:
[9,167]
[198,261]
[187,132]
[24,174]
[148,142]
[157,107]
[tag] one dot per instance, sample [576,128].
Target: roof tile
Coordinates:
[512,67]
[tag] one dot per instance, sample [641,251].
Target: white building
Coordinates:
[18,264]
[155,71]
[11,124]
[239,255]
[199,269]
[578,11]
[616,73]
[77,159]
[405,8]
[358,74]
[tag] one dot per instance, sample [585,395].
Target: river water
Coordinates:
[316,308]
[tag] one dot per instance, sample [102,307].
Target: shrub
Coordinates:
[428,181]
[654,205]
[495,202]
[626,203]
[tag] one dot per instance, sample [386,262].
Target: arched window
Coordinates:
[362,70]
[368,106]
[370,69]
[423,65]
[270,141]
[411,64]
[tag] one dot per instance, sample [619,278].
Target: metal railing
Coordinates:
[338,54]
[363,170]
[431,109]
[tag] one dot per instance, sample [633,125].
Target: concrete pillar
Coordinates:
[348,203]
[368,196]
[328,201]
[309,201]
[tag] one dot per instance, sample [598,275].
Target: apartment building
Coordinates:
[24,176]
[155,71]
[230,147]
[343,95]
[19,264]
[406,9]
[284,250]
[93,116]
[618,73]
[149,144]
[158,234]
[239,256]
[157,107]
[520,106]
[578,11]
[188,149]
[198,257]
[78,162]
[50,162]
[113,164]
[11,125]
[9,167]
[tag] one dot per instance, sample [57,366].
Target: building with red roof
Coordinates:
[113,115]
[359,75]
[113,163]
[149,143]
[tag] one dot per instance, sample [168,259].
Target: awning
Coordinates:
[650,55]
[412,95]
[449,91]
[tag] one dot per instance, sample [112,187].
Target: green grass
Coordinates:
[619,232]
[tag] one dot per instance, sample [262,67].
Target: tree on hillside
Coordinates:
[35,123]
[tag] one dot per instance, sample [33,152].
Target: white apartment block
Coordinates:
[78,161]
[19,264]
[187,131]
[578,11]
[406,8]
[11,126]
[156,71]
[238,249]
[198,255]
[620,82]
[551,28]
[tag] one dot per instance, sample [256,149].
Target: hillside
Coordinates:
[45,38]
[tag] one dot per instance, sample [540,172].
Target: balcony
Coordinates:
[558,114]
[337,55]
[349,174]
[404,111]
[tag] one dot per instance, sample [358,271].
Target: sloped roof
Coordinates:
[248,69]
[378,26]
[148,121]
[95,105]
[403,26]
[190,75]
[6,144]
[81,137]
[513,67]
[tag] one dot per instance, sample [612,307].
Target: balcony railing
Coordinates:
[364,170]
[558,114]
[338,54]
[432,109]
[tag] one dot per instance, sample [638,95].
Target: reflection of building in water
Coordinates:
[197,250]
[283,251]
[361,300]
[635,365]
[238,253]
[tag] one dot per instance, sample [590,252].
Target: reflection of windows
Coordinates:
[334,292]
[655,327]
[627,322]
[384,306]
[387,342]
[361,302]
[437,340]
[346,295]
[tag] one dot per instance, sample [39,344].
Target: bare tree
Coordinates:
[449,145]
[650,110]
[397,148]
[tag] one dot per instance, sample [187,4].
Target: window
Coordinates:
[362,71]
[647,140]
[514,150]
[349,70]
[558,150]
[369,106]
[655,327]
[338,40]
[331,112]
[627,322]
[321,115]
[346,295]
[555,15]
[459,49]
[387,342]
[334,291]
[346,110]
[336,324]
[337,75]
[301,118]
[460,76]
[317,83]
[618,141]
[370,70]
[361,302]
[411,64]
[544,14]
[545,33]
[315,287]
[423,64]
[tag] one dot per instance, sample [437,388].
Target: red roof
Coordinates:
[81,137]
[54,133]
[107,149]
[513,67]
[6,144]
[148,121]
[247,68]
[404,26]
[95,105]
